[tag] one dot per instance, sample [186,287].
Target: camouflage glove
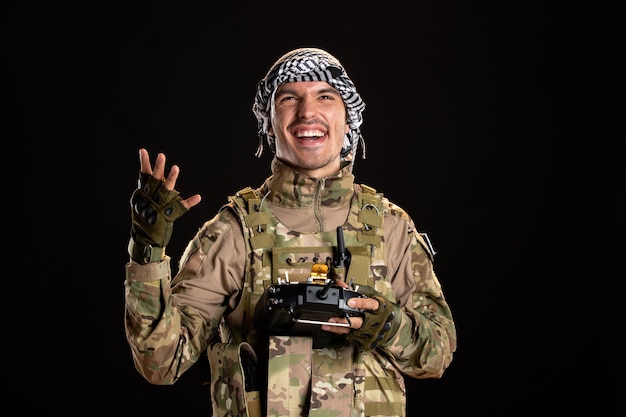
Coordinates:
[378,325]
[153,211]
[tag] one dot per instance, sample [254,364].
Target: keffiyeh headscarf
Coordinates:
[309,64]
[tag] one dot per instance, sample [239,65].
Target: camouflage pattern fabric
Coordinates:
[228,381]
[379,390]
[307,381]
[169,322]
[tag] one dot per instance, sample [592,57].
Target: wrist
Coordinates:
[143,254]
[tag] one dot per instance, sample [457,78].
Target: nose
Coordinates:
[307,108]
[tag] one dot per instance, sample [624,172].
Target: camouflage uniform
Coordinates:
[170,324]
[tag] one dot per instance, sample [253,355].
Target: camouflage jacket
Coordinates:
[171,322]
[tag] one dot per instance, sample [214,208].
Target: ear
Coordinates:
[347,128]
[270,131]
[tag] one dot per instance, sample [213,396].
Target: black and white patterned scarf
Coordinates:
[309,64]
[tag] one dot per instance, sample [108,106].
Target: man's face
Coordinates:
[309,123]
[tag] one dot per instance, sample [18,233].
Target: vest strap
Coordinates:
[289,375]
[370,239]
[359,266]
[256,221]
[371,215]
[384,409]
[334,384]
[297,371]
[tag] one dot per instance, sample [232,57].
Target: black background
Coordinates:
[497,125]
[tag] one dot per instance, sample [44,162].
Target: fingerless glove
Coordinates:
[378,325]
[153,211]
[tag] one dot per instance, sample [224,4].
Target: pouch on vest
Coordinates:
[234,390]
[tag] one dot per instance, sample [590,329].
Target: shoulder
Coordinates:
[369,195]
[222,233]
[225,224]
[398,221]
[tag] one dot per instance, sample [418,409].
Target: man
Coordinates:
[311,294]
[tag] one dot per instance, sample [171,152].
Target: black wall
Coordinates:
[497,125]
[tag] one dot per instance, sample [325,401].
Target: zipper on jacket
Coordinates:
[319,189]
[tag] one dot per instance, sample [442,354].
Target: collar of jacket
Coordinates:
[290,189]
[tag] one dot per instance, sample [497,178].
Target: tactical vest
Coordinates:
[298,375]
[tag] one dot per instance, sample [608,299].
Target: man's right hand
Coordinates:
[155,204]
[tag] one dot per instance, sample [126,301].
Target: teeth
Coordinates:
[309,134]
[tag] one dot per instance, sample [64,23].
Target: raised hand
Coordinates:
[159,171]
[155,204]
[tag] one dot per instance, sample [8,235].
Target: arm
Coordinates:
[163,347]
[169,322]
[424,344]
[416,330]
[164,340]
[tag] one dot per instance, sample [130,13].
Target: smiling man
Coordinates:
[310,119]
[311,294]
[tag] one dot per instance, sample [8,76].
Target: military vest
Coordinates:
[299,375]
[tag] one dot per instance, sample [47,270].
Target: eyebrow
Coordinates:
[327,90]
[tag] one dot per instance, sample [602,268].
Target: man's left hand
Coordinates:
[380,321]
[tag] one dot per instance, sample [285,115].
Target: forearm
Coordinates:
[164,341]
[425,341]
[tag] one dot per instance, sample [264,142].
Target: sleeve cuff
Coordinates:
[155,271]
[144,254]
